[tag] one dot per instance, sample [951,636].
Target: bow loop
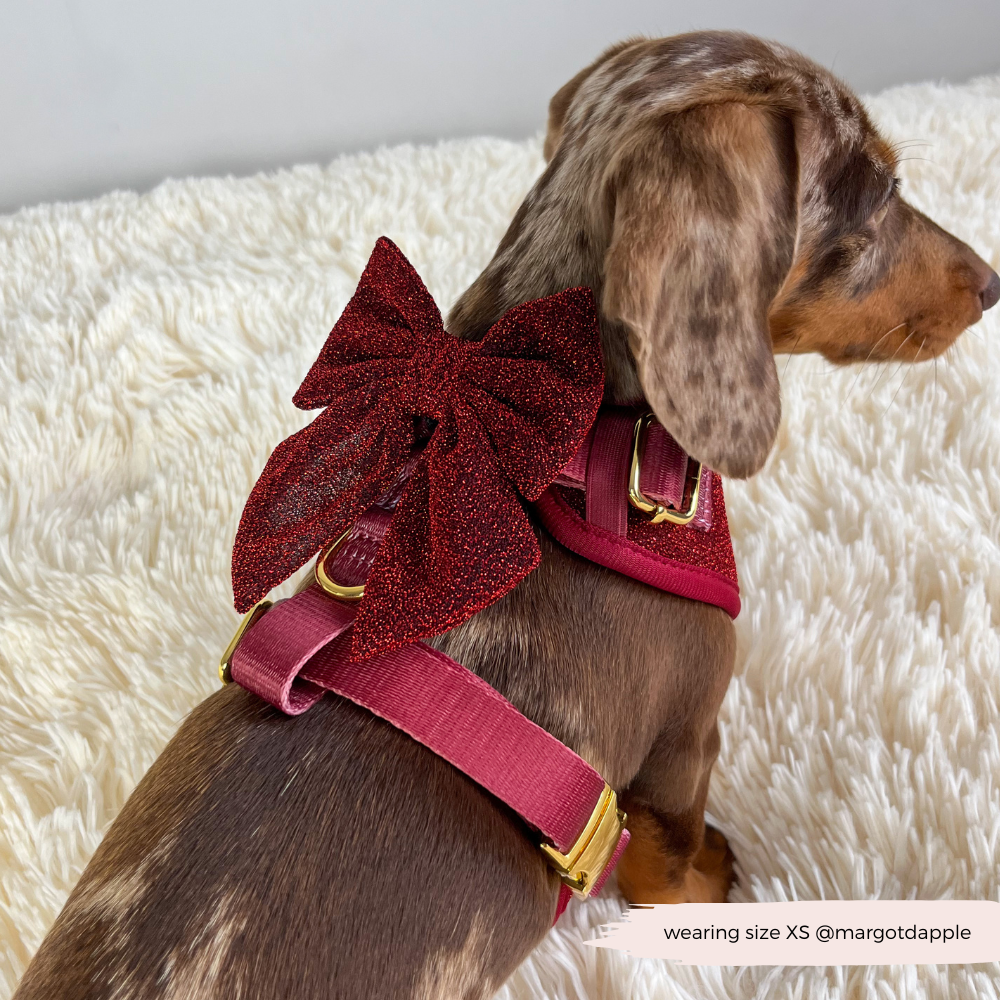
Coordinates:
[389,317]
[510,412]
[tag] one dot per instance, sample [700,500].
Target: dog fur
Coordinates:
[724,199]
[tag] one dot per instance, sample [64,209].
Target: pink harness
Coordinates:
[629,499]
[300,649]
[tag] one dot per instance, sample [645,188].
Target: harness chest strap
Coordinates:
[300,649]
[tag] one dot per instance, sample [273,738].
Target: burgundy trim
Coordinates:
[617,553]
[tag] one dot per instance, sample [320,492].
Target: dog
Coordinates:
[725,199]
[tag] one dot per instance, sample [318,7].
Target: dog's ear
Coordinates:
[563,97]
[703,226]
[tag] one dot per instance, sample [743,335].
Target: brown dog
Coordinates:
[724,198]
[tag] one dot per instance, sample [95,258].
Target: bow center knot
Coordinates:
[435,364]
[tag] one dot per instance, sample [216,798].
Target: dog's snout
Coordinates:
[990,293]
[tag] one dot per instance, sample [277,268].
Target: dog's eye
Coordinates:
[876,219]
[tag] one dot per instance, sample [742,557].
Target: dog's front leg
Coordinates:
[673,857]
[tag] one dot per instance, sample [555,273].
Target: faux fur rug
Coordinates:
[149,349]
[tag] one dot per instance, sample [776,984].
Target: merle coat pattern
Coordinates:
[726,199]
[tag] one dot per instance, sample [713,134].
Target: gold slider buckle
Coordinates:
[589,856]
[327,582]
[656,511]
[249,619]
[253,615]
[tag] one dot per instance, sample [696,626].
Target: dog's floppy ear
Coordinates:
[704,212]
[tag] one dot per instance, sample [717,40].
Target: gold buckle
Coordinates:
[249,619]
[638,499]
[327,582]
[589,856]
[253,615]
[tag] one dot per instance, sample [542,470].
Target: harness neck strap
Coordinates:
[627,456]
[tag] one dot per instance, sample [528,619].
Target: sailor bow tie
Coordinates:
[508,413]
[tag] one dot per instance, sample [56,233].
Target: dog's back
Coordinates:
[264,856]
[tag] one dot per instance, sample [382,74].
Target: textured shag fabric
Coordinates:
[149,347]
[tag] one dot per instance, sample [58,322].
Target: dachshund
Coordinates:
[725,199]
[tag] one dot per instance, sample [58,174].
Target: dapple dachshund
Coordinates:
[725,199]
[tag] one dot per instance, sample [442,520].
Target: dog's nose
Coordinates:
[990,294]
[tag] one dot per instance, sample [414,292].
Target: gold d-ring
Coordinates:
[327,582]
[638,499]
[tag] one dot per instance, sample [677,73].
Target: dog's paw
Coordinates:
[712,872]
[647,874]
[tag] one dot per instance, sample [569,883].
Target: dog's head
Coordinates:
[727,198]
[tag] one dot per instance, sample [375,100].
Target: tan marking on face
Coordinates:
[918,292]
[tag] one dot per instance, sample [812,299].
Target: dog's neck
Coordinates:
[544,252]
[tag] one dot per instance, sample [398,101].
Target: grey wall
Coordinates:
[99,94]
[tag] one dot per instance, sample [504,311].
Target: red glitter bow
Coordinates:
[510,412]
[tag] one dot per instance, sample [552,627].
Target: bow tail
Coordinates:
[457,542]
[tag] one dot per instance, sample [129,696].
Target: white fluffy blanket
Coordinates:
[149,349]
